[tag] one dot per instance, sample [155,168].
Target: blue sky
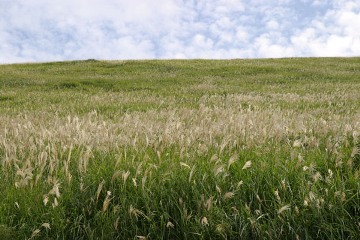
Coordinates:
[42,30]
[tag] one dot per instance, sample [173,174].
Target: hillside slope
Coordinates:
[181,149]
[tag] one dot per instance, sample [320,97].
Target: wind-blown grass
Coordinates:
[236,149]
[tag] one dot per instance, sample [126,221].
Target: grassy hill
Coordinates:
[181,149]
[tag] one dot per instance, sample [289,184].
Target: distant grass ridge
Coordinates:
[181,149]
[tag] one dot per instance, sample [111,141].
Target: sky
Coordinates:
[58,30]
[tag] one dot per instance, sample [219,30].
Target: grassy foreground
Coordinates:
[197,149]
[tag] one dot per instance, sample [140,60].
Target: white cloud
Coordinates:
[335,34]
[40,30]
[241,34]
[272,24]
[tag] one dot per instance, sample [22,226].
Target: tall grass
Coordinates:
[238,149]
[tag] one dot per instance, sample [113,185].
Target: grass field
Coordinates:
[181,149]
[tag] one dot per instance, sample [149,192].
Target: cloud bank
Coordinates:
[40,30]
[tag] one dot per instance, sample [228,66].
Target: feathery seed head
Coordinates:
[170,225]
[204,221]
[228,195]
[247,165]
[284,208]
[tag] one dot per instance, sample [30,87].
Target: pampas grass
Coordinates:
[238,149]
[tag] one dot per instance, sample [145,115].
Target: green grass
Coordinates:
[162,149]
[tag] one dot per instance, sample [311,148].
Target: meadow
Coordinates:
[180,149]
